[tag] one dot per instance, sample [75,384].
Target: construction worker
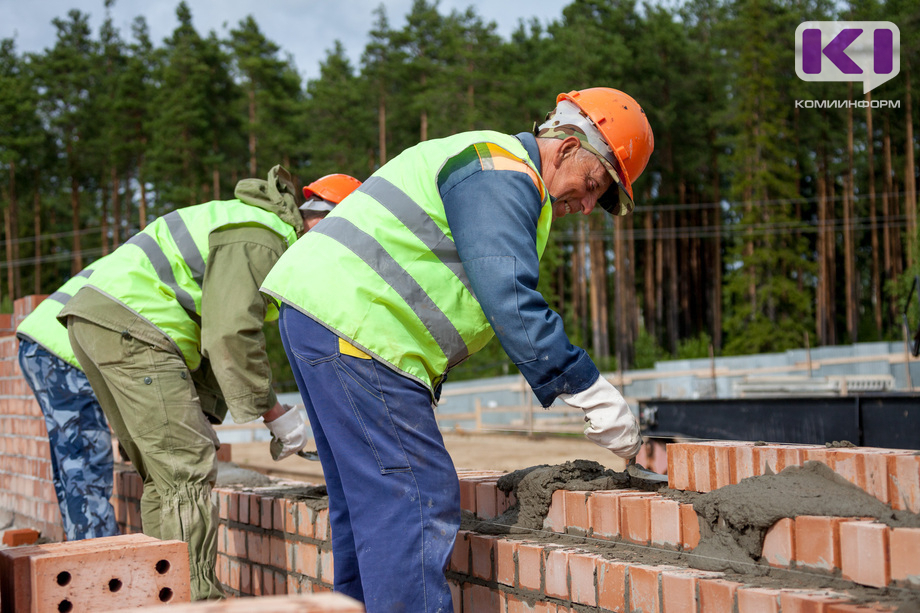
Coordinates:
[434,254]
[181,293]
[78,434]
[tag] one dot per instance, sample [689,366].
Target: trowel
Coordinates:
[638,472]
[312,455]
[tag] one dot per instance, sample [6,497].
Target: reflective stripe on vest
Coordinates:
[386,274]
[42,325]
[159,272]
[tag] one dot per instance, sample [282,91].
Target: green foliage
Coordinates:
[648,351]
[105,130]
[693,348]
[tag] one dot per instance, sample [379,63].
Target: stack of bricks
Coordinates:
[26,488]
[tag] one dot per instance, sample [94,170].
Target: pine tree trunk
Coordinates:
[12,237]
[873,217]
[650,285]
[77,265]
[888,257]
[822,321]
[382,127]
[849,255]
[253,168]
[910,181]
[116,208]
[37,227]
[599,315]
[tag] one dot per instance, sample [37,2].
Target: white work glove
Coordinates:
[609,422]
[289,434]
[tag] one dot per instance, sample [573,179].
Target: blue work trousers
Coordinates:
[394,495]
[81,443]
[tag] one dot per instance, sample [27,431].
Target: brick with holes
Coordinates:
[126,571]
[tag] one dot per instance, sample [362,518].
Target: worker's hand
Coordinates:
[609,422]
[289,434]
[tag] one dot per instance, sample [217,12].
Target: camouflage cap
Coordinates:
[568,120]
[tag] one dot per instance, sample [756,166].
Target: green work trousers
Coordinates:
[148,396]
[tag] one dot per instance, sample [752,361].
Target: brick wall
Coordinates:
[598,551]
[26,489]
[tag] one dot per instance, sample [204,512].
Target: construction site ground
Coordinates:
[481,451]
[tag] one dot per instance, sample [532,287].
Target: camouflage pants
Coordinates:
[81,444]
[150,400]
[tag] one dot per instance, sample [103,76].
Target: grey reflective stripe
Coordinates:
[163,269]
[186,244]
[85,273]
[60,296]
[374,255]
[420,223]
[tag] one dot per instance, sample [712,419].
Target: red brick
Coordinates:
[468,495]
[486,507]
[635,519]
[530,566]
[717,595]
[611,585]
[679,590]
[796,601]
[258,547]
[904,482]
[556,575]
[236,543]
[758,600]
[779,543]
[817,542]
[482,548]
[306,559]
[305,517]
[723,468]
[576,512]
[484,599]
[289,515]
[678,466]
[327,566]
[643,587]
[582,573]
[244,507]
[555,517]
[743,462]
[505,561]
[604,514]
[20,536]
[689,527]
[664,515]
[905,555]
[321,525]
[864,553]
[859,608]
[699,457]
[266,515]
[460,558]
[278,552]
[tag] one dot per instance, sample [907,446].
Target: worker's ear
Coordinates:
[569,147]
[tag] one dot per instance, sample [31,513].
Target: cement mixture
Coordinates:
[733,521]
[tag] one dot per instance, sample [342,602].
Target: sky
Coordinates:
[306,29]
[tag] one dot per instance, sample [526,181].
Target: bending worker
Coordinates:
[431,256]
[78,434]
[185,290]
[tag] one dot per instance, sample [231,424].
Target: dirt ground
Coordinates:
[505,452]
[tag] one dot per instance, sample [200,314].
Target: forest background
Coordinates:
[761,224]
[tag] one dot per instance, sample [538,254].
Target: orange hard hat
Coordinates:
[331,188]
[628,137]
